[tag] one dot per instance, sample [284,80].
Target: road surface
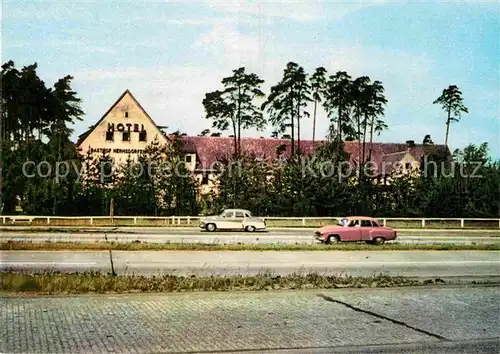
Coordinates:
[357,263]
[404,320]
[195,235]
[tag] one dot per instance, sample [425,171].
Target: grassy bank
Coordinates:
[67,246]
[133,230]
[92,282]
[400,226]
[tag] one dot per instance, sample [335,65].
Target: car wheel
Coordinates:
[210,227]
[250,228]
[333,239]
[378,240]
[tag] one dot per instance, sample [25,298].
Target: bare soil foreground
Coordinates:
[397,320]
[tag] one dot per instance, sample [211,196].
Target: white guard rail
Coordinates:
[272,221]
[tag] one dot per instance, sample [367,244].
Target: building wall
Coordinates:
[125,115]
[206,181]
[407,166]
[409,163]
[190,161]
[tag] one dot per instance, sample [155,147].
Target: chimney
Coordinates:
[410,143]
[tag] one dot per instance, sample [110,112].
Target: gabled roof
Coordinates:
[210,150]
[83,136]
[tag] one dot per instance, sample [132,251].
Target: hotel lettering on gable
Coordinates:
[126,127]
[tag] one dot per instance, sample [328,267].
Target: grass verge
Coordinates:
[137,246]
[94,282]
[123,227]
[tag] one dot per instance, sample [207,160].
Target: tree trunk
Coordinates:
[358,123]
[314,120]
[447,132]
[298,123]
[239,121]
[239,138]
[235,140]
[339,126]
[371,139]
[447,128]
[54,205]
[292,119]
[364,138]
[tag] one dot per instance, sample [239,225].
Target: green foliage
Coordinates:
[178,185]
[34,126]
[235,105]
[36,122]
[243,184]
[318,85]
[451,101]
[157,183]
[288,100]
[321,185]
[338,102]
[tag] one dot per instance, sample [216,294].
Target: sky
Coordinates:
[169,54]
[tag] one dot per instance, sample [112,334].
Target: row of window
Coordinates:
[363,223]
[237,214]
[110,136]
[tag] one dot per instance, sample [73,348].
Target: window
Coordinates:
[109,136]
[228,214]
[239,214]
[126,114]
[204,179]
[247,215]
[366,223]
[354,223]
[126,136]
[375,224]
[142,136]
[408,166]
[188,158]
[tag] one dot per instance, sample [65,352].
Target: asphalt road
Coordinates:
[195,235]
[423,264]
[399,320]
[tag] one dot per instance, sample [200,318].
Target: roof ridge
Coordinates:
[250,138]
[395,153]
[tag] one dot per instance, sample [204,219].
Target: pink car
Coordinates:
[356,228]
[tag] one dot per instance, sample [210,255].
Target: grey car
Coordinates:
[233,219]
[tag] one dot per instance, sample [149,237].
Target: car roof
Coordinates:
[243,210]
[361,218]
